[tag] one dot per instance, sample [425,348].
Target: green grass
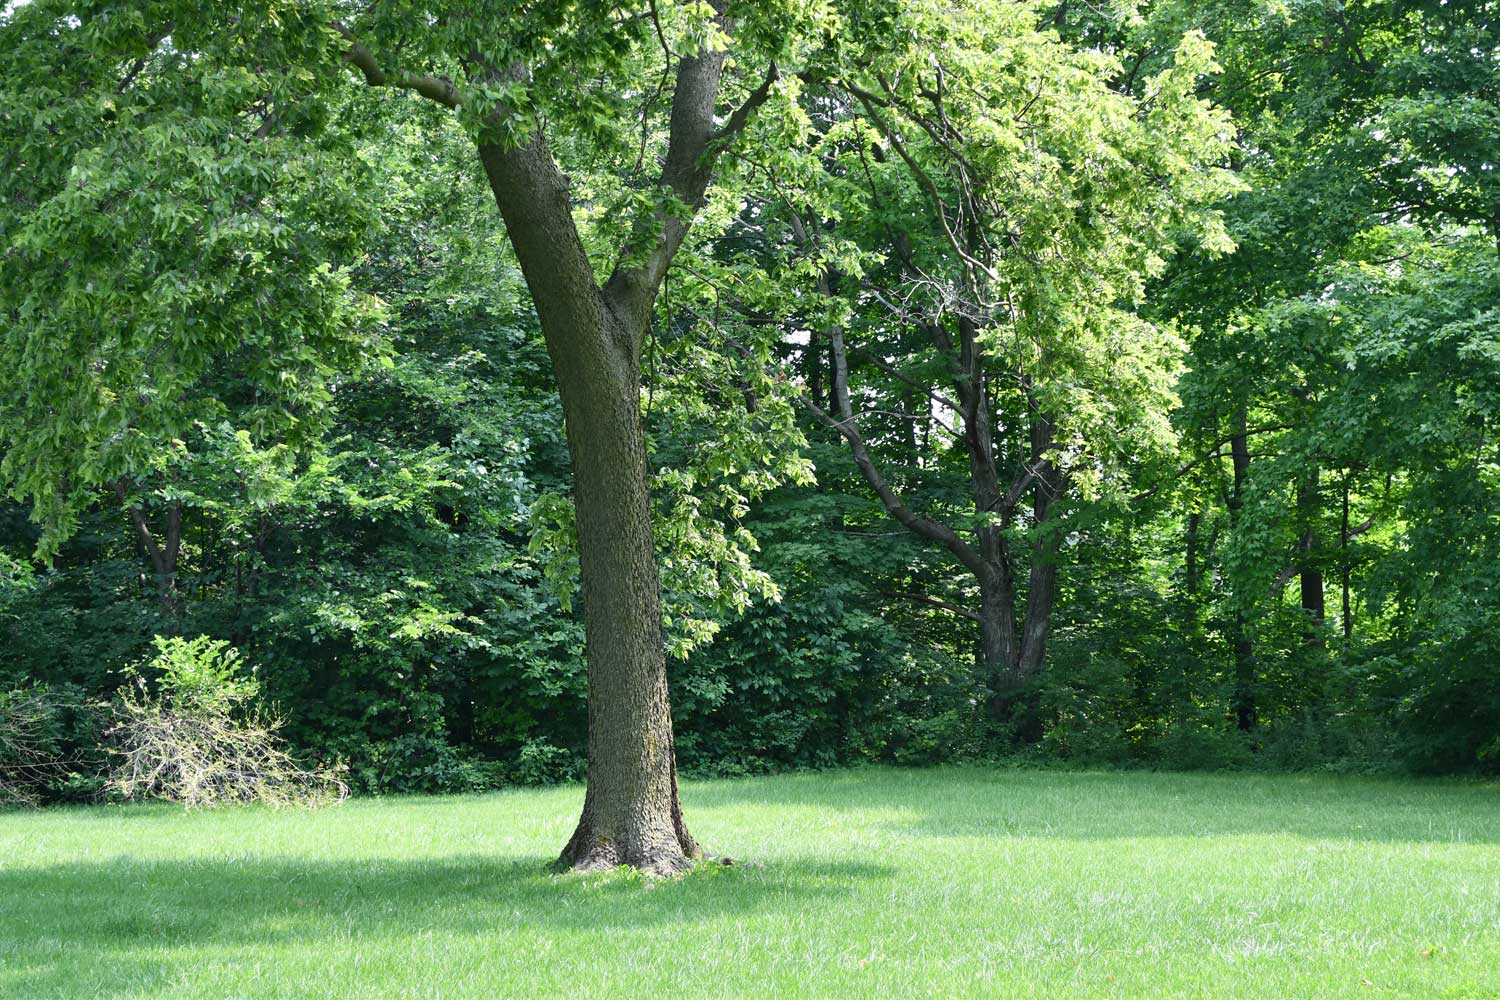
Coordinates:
[881,883]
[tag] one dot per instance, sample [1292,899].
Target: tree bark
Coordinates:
[1244,650]
[631,813]
[1310,577]
[999,650]
[1041,590]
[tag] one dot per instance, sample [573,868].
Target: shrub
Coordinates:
[28,746]
[199,741]
[46,747]
[201,675]
[423,763]
[541,763]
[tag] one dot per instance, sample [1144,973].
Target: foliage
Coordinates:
[147,203]
[271,373]
[198,675]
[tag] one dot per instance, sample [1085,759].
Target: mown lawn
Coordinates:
[879,883]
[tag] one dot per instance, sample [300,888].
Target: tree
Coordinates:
[197,142]
[595,334]
[978,213]
[1370,144]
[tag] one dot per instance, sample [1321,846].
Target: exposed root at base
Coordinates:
[602,855]
[604,858]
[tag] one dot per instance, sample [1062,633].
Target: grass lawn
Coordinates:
[878,883]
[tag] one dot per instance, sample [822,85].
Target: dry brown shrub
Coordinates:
[205,758]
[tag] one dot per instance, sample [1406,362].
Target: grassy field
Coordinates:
[881,883]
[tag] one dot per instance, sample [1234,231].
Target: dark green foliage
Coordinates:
[50,740]
[839,671]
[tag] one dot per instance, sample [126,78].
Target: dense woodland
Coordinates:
[1112,385]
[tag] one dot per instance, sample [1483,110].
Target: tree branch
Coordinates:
[740,117]
[142,529]
[434,88]
[1215,451]
[924,599]
[849,429]
[632,287]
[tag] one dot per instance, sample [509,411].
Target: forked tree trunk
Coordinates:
[631,814]
[594,336]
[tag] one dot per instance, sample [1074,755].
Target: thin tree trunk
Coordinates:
[1244,675]
[1192,572]
[909,406]
[1348,618]
[1244,650]
[163,554]
[1195,519]
[813,366]
[1310,576]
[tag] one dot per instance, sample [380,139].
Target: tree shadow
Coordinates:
[1093,805]
[135,910]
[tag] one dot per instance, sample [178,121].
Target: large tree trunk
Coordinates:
[594,336]
[1040,596]
[631,813]
[999,652]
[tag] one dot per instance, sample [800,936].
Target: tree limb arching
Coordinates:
[847,426]
[434,88]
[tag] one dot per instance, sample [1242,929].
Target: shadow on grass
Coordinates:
[119,914]
[1084,805]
